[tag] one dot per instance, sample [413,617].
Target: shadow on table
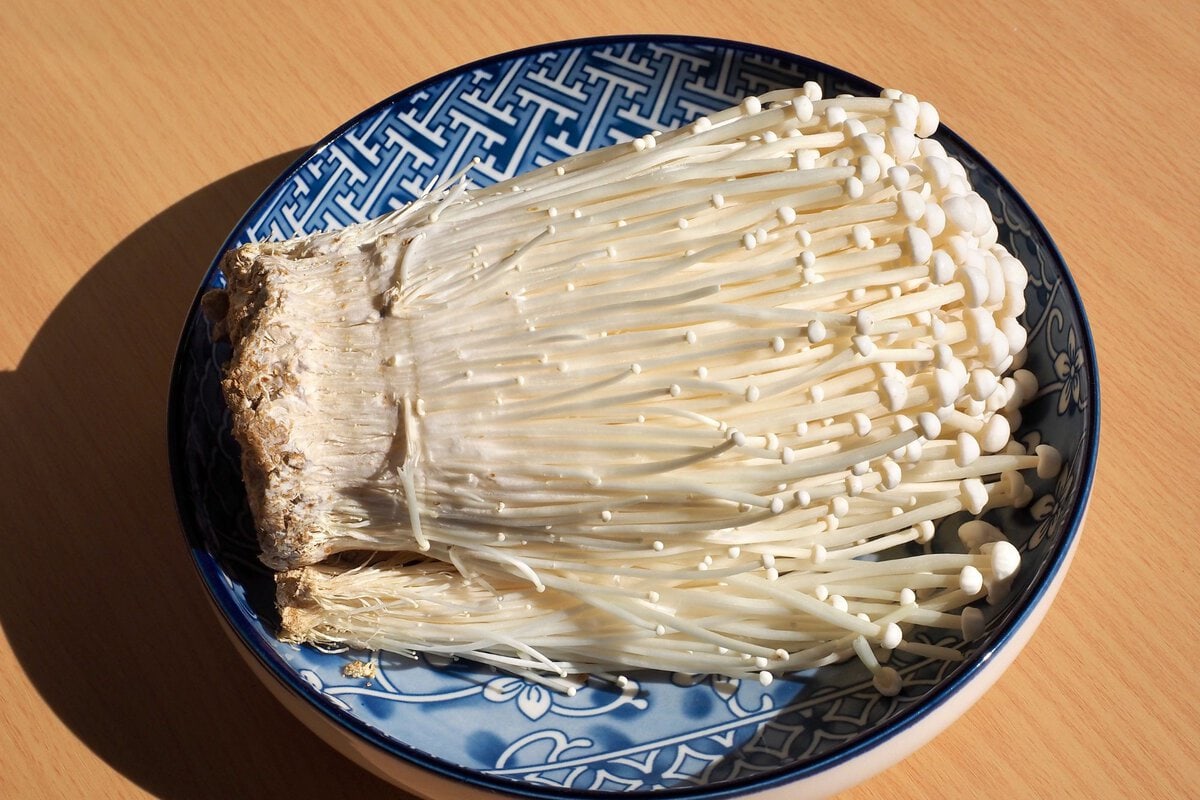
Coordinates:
[98,596]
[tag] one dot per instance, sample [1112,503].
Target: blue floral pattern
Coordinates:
[657,732]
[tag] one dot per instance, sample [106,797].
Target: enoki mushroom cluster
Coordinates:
[693,402]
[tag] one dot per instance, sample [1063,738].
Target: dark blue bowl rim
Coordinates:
[277,668]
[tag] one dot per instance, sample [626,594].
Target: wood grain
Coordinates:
[135,133]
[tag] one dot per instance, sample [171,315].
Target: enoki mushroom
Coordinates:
[693,402]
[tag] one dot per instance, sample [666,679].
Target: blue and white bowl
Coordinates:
[435,726]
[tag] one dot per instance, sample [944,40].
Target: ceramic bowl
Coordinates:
[440,728]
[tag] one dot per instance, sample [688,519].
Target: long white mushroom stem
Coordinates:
[683,403]
[753,622]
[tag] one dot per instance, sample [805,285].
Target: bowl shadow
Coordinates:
[100,602]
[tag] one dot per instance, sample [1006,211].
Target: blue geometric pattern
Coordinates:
[514,114]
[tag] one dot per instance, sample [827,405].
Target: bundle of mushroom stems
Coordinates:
[694,402]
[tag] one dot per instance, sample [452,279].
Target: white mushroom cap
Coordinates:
[976,533]
[1049,461]
[888,681]
[973,623]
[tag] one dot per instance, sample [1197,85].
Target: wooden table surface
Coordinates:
[134,134]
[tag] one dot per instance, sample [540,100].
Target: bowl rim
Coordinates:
[944,692]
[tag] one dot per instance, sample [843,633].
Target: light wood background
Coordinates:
[134,134]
